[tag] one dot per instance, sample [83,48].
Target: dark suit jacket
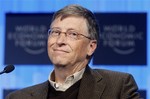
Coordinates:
[95,84]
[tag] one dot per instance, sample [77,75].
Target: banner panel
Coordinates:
[26,38]
[122,39]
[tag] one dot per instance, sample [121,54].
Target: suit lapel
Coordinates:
[92,85]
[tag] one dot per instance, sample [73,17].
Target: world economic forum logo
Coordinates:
[26,38]
[121,38]
[31,38]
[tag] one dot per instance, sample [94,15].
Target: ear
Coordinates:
[92,47]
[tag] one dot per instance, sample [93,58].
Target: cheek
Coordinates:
[50,43]
[81,50]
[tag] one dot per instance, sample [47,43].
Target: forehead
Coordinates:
[78,23]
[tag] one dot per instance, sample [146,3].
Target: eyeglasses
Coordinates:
[70,34]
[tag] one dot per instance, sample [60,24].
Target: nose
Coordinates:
[61,38]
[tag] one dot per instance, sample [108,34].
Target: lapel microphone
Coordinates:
[8,69]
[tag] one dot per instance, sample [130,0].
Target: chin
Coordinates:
[59,63]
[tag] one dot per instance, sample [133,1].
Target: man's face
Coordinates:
[64,51]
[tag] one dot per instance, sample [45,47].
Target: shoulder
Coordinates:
[35,87]
[116,83]
[28,90]
[114,76]
[110,73]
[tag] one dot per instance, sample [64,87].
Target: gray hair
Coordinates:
[79,11]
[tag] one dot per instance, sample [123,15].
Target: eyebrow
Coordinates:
[67,29]
[55,28]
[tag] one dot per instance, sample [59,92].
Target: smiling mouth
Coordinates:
[61,51]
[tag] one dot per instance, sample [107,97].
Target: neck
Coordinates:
[62,72]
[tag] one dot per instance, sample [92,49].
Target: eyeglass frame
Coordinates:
[67,33]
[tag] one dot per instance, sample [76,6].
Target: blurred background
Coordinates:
[129,20]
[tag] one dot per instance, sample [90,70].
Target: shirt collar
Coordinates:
[69,81]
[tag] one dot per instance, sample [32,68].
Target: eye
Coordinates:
[55,32]
[72,34]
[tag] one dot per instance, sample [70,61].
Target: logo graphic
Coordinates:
[122,39]
[31,38]
[26,38]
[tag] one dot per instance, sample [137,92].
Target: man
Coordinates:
[73,38]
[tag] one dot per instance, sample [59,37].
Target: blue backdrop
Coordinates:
[27,75]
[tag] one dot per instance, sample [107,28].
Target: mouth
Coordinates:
[60,51]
